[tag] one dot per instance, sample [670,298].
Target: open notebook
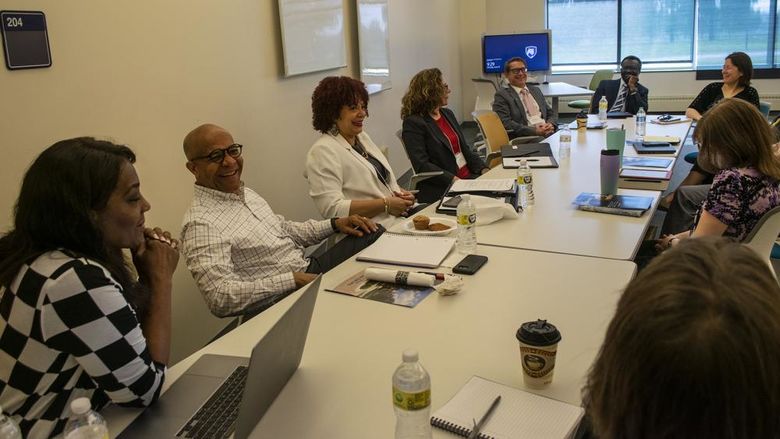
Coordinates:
[413,250]
[519,414]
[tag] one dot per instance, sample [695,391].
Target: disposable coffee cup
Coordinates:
[616,139]
[538,347]
[582,122]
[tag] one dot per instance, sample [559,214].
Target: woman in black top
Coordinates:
[737,72]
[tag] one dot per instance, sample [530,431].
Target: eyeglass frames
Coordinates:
[218,155]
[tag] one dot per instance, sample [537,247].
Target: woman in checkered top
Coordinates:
[73,320]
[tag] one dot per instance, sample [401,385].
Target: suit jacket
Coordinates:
[510,109]
[429,150]
[610,88]
[338,174]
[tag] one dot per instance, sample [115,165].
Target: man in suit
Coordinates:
[522,108]
[624,94]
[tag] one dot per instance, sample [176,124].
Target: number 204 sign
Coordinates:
[25,39]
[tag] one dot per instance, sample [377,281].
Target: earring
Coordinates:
[334,130]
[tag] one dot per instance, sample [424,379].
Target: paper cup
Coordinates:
[538,347]
[582,123]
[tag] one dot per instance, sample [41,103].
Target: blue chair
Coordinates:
[775,252]
[691,157]
[764,108]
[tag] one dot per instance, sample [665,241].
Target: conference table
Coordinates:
[343,386]
[556,90]
[553,224]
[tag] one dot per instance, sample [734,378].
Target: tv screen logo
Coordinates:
[531,51]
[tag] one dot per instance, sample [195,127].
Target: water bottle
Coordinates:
[412,398]
[9,429]
[603,109]
[641,124]
[85,422]
[525,184]
[467,226]
[564,141]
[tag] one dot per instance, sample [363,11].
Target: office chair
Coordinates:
[416,177]
[486,91]
[598,76]
[496,136]
[764,107]
[764,235]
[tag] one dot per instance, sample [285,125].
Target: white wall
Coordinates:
[144,73]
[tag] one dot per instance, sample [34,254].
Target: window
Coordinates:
[665,34]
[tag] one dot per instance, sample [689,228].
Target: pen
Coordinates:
[478,425]
[527,153]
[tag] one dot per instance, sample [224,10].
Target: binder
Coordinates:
[538,155]
[448,204]
[412,250]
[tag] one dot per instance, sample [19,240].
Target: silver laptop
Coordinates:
[189,407]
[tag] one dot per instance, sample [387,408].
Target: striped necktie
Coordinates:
[621,99]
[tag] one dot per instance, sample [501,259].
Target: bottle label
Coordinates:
[411,401]
[467,220]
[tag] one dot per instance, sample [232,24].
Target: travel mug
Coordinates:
[610,169]
[616,139]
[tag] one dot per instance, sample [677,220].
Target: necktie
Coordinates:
[531,107]
[621,99]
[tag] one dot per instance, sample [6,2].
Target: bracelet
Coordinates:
[333,224]
[387,206]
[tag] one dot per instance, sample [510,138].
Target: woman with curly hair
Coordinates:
[432,136]
[347,172]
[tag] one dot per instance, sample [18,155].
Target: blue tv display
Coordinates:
[534,47]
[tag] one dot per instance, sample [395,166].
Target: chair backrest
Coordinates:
[415,177]
[493,131]
[764,107]
[598,76]
[763,236]
[486,91]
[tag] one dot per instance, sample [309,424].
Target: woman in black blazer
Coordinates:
[432,136]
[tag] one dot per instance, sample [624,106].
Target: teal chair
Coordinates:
[598,76]
[764,108]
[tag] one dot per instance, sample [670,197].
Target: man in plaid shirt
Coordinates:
[244,257]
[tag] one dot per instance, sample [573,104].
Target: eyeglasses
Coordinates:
[518,70]
[218,155]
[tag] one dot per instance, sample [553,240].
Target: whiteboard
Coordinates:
[312,35]
[374,44]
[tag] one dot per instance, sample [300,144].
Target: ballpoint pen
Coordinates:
[478,425]
[527,153]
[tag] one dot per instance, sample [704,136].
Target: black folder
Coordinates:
[512,154]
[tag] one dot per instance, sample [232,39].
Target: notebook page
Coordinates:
[483,184]
[519,414]
[413,250]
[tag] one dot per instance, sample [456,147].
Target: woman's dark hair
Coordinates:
[426,90]
[693,350]
[742,61]
[61,191]
[734,134]
[331,94]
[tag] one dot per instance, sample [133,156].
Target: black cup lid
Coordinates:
[610,152]
[538,333]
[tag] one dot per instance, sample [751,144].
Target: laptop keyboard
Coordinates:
[217,417]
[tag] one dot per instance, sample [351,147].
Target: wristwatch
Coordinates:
[333,224]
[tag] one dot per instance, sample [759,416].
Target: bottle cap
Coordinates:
[538,333]
[410,356]
[79,406]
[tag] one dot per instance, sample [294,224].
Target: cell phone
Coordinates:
[452,203]
[655,144]
[470,264]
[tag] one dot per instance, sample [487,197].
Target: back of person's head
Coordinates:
[693,350]
[742,61]
[425,93]
[61,191]
[734,134]
[330,95]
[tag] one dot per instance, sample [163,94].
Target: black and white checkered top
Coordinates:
[67,331]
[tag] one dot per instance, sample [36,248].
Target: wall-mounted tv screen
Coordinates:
[534,47]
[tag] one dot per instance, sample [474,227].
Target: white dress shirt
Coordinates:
[240,252]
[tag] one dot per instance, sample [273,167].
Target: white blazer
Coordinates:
[338,174]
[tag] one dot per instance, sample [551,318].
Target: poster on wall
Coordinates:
[312,35]
[374,44]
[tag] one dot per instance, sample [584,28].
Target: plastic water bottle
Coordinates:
[412,398]
[9,429]
[641,123]
[85,422]
[603,109]
[525,184]
[467,226]
[564,141]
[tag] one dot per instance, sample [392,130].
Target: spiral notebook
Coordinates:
[519,414]
[413,250]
